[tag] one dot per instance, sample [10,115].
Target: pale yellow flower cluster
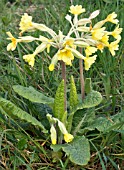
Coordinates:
[26,23]
[102,36]
[87,36]
[97,36]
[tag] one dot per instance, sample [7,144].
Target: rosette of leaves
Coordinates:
[78,150]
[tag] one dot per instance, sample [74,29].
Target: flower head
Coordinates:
[11,46]
[90,50]
[111,18]
[116,32]
[69,42]
[105,39]
[30,59]
[113,46]
[103,42]
[88,61]
[100,46]
[68,137]
[91,38]
[53,62]
[26,23]
[66,56]
[97,34]
[53,135]
[76,10]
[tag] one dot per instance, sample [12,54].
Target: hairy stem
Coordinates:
[64,78]
[81,76]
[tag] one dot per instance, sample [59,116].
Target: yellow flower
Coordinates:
[51,67]
[30,59]
[66,56]
[76,10]
[53,62]
[53,135]
[69,42]
[105,39]
[11,46]
[90,50]
[113,46]
[111,18]
[103,42]
[100,46]
[26,23]
[116,32]
[88,61]
[68,137]
[97,34]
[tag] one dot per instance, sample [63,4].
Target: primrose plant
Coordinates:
[83,40]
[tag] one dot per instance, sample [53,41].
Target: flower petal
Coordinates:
[53,135]
[68,137]
[88,61]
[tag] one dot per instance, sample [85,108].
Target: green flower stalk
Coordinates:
[64,78]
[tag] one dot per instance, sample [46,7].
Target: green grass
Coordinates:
[23,146]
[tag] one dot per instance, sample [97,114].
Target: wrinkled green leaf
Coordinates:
[93,99]
[78,150]
[73,94]
[88,85]
[73,103]
[82,118]
[69,121]
[105,124]
[41,110]
[33,95]
[59,101]
[12,109]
